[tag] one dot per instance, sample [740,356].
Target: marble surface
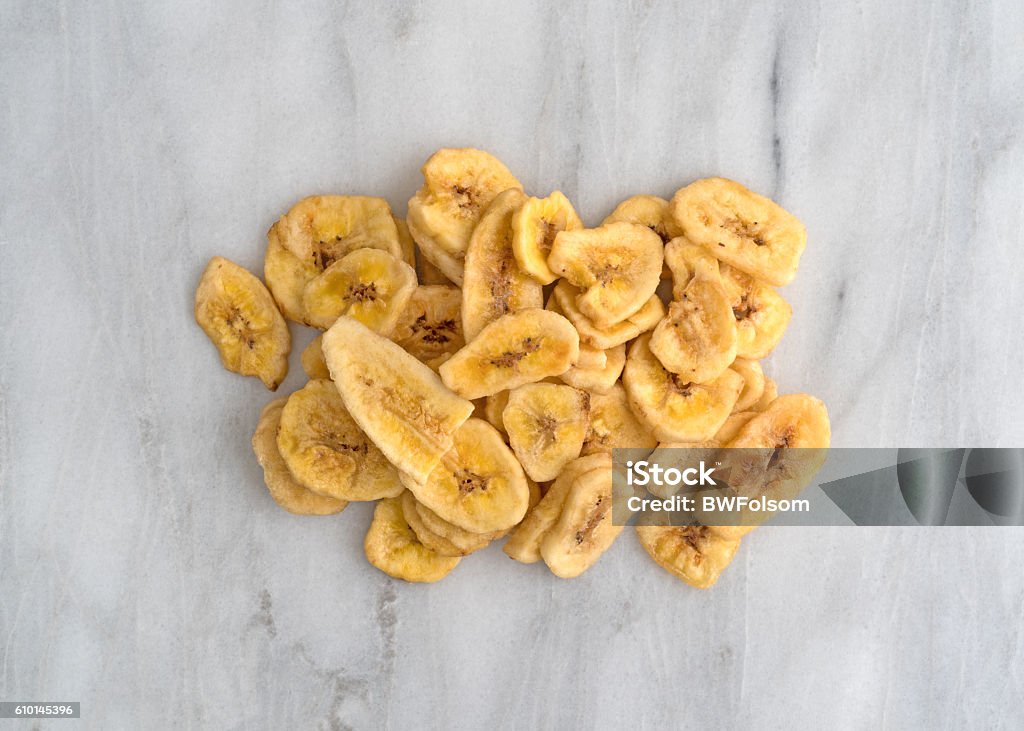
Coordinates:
[145,571]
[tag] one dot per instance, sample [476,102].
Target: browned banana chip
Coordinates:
[535,226]
[524,542]
[584,530]
[546,425]
[617,267]
[753,383]
[392,546]
[762,315]
[458,185]
[398,401]
[613,424]
[240,317]
[430,326]
[522,347]
[695,554]
[312,358]
[369,285]
[676,410]
[742,228]
[598,380]
[327,452]
[286,492]
[478,485]
[493,285]
[563,301]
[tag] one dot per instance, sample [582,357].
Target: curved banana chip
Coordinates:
[613,424]
[369,285]
[523,543]
[584,530]
[458,185]
[770,393]
[697,339]
[392,546]
[673,409]
[535,226]
[518,348]
[617,266]
[322,229]
[591,358]
[646,210]
[240,317]
[792,421]
[312,359]
[546,425]
[597,380]
[406,243]
[494,407]
[286,492]
[438,534]
[326,451]
[563,301]
[398,401]
[286,276]
[493,284]
[762,315]
[430,326]
[753,384]
[736,421]
[695,554]
[740,227]
[478,484]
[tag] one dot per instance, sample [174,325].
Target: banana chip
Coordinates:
[406,243]
[742,228]
[478,485]
[613,424]
[535,226]
[598,380]
[673,409]
[286,276]
[369,285]
[392,546]
[493,284]
[753,383]
[522,347]
[312,358]
[770,393]
[458,185]
[326,451]
[240,317]
[398,401]
[286,492]
[563,301]
[438,534]
[795,420]
[546,425]
[523,543]
[646,210]
[494,407]
[430,326]
[736,421]
[695,554]
[762,315]
[617,267]
[584,530]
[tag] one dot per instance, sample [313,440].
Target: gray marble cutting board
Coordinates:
[145,572]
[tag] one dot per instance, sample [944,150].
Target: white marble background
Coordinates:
[144,570]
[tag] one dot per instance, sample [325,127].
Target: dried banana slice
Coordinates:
[436,543]
[770,393]
[369,285]
[674,409]
[240,317]
[697,339]
[617,266]
[646,210]
[563,301]
[399,402]
[753,383]
[762,315]
[494,407]
[598,380]
[736,421]
[546,425]
[478,484]
[742,228]
[523,543]
[521,347]
[452,540]
[591,358]
[427,273]
[312,358]
[535,226]
[322,229]
[392,546]
[286,276]
[286,492]
[791,421]
[405,242]
[613,424]
[584,530]
[458,185]
[693,553]
[326,451]
[493,284]
[430,326]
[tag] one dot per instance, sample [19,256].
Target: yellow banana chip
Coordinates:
[546,425]
[535,226]
[694,554]
[369,285]
[392,546]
